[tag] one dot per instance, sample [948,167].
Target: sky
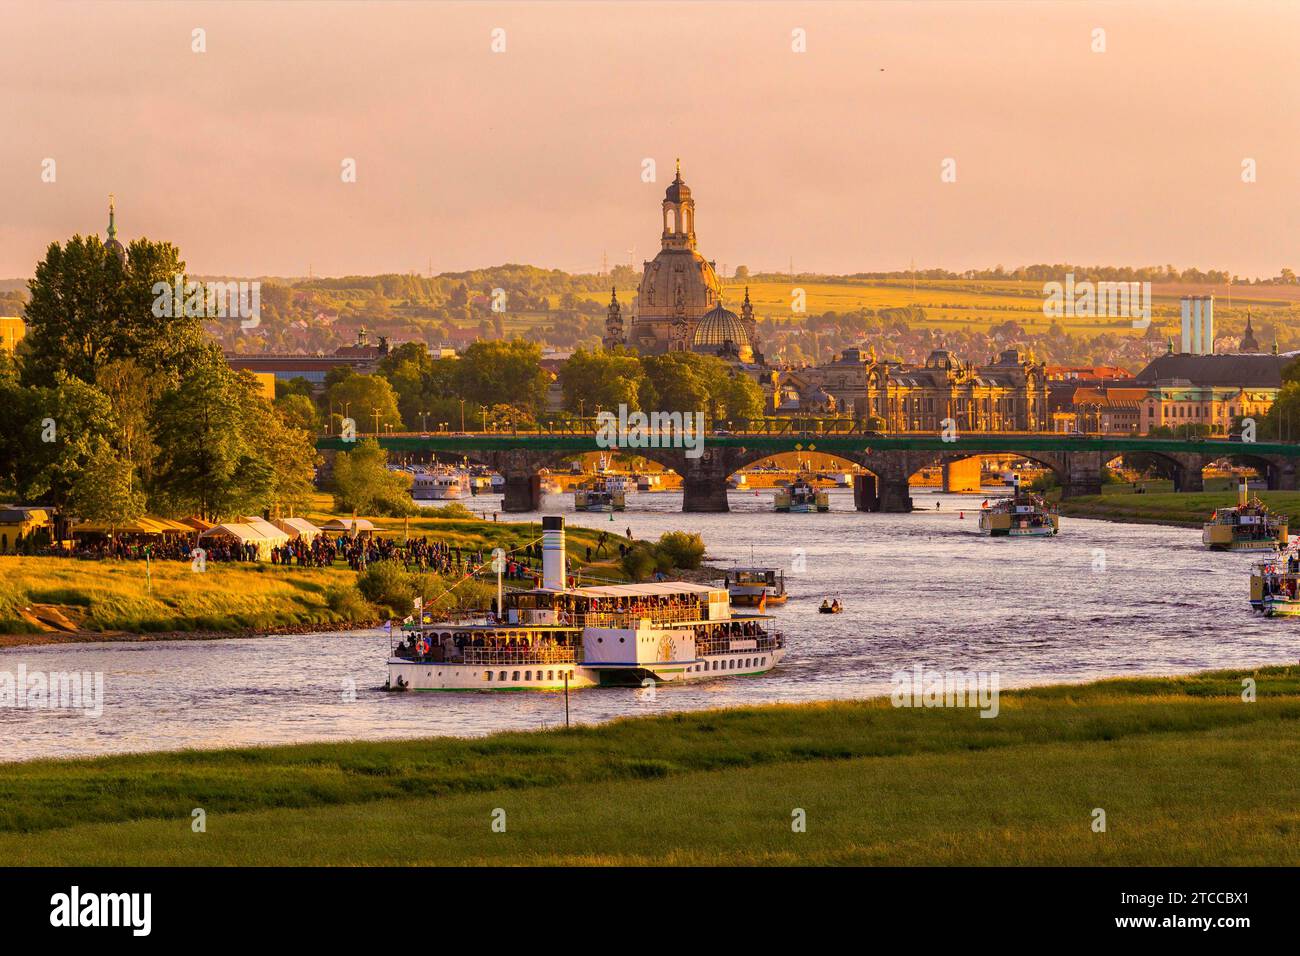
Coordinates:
[830,159]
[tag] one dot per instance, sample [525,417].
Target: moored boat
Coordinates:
[553,636]
[1250,526]
[440,484]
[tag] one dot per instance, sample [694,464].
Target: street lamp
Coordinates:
[376,411]
[462,415]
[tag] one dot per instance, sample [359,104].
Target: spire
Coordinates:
[112,227]
[679,170]
[111,243]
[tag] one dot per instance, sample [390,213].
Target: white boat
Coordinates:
[441,484]
[553,636]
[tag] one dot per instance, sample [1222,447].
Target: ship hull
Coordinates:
[418,676]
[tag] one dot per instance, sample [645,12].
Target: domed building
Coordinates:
[679,288]
[721,332]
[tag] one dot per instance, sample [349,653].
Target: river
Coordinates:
[1100,599]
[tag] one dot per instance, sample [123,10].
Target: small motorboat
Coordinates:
[834,607]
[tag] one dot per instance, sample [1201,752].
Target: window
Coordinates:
[550,675]
[501,676]
[514,675]
[487,675]
[528,675]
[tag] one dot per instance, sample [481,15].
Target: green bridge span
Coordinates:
[520,456]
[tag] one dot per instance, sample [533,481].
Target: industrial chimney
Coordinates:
[553,552]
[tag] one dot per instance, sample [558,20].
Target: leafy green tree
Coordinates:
[276,439]
[206,462]
[63,427]
[490,373]
[362,395]
[106,490]
[87,308]
[363,483]
[604,379]
[299,411]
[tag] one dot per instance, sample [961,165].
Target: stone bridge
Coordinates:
[890,460]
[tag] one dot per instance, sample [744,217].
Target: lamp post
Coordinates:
[462,415]
[376,411]
[424,421]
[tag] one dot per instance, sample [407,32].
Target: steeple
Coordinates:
[1248,343]
[613,321]
[112,244]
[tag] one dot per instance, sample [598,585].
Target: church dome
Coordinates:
[677,190]
[718,327]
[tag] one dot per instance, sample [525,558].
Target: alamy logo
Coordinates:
[1116,300]
[656,430]
[209,300]
[926,688]
[134,910]
[53,690]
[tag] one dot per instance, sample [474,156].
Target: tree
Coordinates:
[299,411]
[87,308]
[605,379]
[288,449]
[62,429]
[490,373]
[362,396]
[106,490]
[206,461]
[363,483]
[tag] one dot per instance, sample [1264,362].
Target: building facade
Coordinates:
[1008,394]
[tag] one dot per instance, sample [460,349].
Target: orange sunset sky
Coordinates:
[830,158]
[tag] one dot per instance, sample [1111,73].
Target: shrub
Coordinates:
[682,549]
[386,583]
[346,601]
[640,562]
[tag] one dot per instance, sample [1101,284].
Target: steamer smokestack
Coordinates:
[553,552]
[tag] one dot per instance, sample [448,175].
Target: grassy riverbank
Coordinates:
[61,599]
[1185,509]
[1186,772]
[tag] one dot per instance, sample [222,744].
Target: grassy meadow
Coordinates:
[1185,770]
[1190,508]
[88,598]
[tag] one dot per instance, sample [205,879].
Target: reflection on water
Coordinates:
[920,588]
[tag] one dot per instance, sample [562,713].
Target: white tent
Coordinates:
[298,528]
[248,534]
[348,525]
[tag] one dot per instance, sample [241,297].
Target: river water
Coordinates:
[1100,599]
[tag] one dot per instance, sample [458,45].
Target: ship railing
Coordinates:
[632,619]
[519,655]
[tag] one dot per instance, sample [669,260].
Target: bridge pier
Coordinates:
[523,492]
[894,496]
[865,496]
[704,493]
[1189,479]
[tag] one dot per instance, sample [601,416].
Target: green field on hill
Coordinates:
[1185,770]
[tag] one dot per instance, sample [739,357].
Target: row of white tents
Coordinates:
[275,534]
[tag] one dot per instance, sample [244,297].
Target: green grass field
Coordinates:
[1185,770]
[1190,509]
[119,596]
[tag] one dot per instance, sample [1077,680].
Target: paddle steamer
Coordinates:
[555,636]
[1250,526]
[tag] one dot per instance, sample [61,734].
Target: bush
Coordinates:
[385,583]
[640,562]
[453,510]
[346,601]
[682,549]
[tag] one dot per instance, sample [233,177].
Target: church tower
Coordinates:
[1248,343]
[112,244]
[613,322]
[679,214]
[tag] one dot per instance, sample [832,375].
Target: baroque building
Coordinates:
[679,304]
[1008,394]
